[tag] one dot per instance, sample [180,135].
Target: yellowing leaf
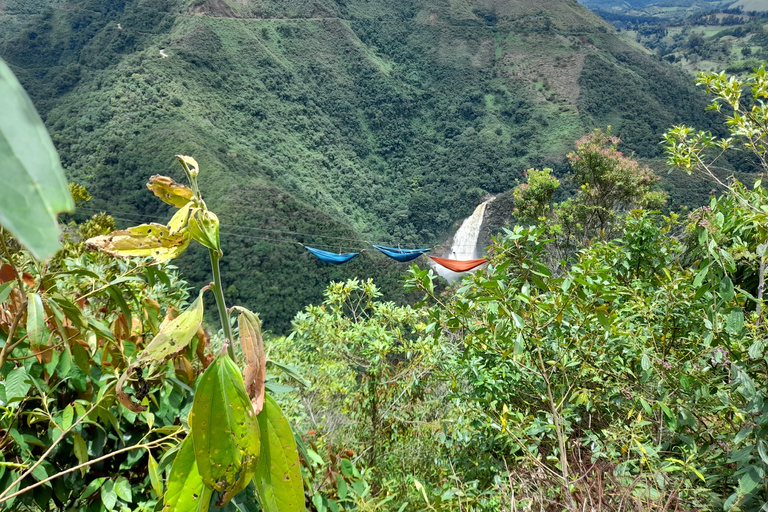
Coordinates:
[81,451]
[224,429]
[189,164]
[252,344]
[179,219]
[169,191]
[204,228]
[173,337]
[278,474]
[154,476]
[154,240]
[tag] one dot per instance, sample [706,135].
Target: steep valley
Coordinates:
[331,123]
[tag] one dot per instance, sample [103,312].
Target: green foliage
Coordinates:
[616,361]
[371,395]
[58,406]
[534,197]
[609,184]
[374,121]
[280,484]
[186,490]
[224,431]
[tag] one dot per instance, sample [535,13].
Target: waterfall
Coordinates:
[464,245]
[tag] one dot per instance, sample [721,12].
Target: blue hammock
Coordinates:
[332,257]
[402,255]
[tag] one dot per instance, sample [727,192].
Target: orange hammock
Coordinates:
[458,265]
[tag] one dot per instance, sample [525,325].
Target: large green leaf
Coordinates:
[186,491]
[278,474]
[108,495]
[34,186]
[224,428]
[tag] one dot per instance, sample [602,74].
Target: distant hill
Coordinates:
[657,5]
[673,7]
[330,122]
[752,5]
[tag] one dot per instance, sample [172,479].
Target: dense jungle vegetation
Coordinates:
[332,123]
[609,357]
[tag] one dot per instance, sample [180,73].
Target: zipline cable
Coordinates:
[364,243]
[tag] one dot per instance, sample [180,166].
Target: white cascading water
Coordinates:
[464,245]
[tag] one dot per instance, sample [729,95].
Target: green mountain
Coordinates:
[662,7]
[329,122]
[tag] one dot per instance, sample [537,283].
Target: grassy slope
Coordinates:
[383,121]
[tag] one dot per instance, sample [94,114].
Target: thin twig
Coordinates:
[8,347]
[146,446]
[50,449]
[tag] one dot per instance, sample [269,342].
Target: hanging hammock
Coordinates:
[401,255]
[332,257]
[458,265]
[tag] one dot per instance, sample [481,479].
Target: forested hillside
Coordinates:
[359,120]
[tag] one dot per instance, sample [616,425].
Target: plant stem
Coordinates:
[144,446]
[218,292]
[61,437]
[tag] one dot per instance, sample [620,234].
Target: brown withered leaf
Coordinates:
[184,370]
[7,273]
[202,342]
[124,397]
[16,302]
[154,240]
[120,328]
[28,279]
[252,344]
[169,191]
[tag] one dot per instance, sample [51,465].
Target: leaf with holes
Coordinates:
[153,240]
[224,429]
[173,337]
[203,227]
[186,491]
[169,191]
[252,344]
[179,221]
[278,473]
